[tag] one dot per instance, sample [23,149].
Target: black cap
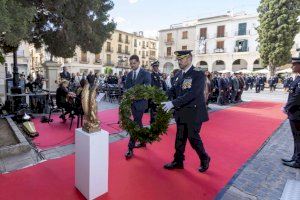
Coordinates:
[155,64]
[296,60]
[183,54]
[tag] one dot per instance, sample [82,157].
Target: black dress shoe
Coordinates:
[139,145]
[287,160]
[292,164]
[174,165]
[129,154]
[204,165]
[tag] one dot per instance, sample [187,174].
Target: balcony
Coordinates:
[241,49]
[169,41]
[120,51]
[168,56]
[84,61]
[120,40]
[110,49]
[242,33]
[127,52]
[219,50]
[109,63]
[143,56]
[127,42]
[200,37]
[98,61]
[221,35]
[143,47]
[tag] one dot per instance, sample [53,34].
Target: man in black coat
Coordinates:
[190,110]
[156,81]
[138,76]
[292,109]
[65,74]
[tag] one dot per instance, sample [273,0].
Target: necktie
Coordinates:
[134,75]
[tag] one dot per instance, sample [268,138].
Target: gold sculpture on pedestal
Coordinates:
[89,106]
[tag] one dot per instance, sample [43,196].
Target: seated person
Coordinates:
[62,94]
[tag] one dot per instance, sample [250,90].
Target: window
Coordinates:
[143,44]
[184,47]
[119,48]
[242,29]
[241,46]
[203,33]
[221,31]
[108,58]
[126,50]
[108,46]
[135,43]
[97,58]
[220,45]
[126,40]
[184,34]
[139,52]
[135,52]
[146,53]
[120,37]
[83,56]
[169,37]
[169,51]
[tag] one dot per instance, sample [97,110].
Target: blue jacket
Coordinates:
[293,103]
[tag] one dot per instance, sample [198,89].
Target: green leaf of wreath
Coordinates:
[156,129]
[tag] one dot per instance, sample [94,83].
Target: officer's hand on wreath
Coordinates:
[167,106]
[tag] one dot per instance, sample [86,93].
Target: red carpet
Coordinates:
[231,137]
[57,133]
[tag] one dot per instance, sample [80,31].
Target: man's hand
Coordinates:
[167,106]
[283,110]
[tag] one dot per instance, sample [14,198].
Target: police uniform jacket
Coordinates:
[188,97]
[293,103]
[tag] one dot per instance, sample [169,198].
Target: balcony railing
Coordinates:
[169,56]
[240,33]
[127,42]
[109,49]
[202,37]
[120,40]
[221,35]
[127,52]
[219,50]
[169,41]
[98,61]
[144,46]
[239,49]
[84,60]
[121,51]
[109,64]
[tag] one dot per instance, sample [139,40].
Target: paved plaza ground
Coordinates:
[262,177]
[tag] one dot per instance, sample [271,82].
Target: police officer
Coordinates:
[292,109]
[190,110]
[156,81]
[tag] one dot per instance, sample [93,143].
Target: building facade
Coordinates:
[225,42]
[115,55]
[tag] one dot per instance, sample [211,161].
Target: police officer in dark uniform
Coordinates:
[292,109]
[156,81]
[190,110]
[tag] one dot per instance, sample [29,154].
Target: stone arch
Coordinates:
[218,65]
[168,68]
[257,64]
[239,64]
[202,64]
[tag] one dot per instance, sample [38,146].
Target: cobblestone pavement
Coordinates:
[264,176]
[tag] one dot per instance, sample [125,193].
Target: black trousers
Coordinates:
[295,126]
[188,132]
[137,117]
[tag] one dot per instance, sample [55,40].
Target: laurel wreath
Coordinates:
[156,129]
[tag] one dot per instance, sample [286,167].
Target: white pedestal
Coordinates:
[91,163]
[52,74]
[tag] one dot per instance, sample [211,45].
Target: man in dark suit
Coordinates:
[292,109]
[65,74]
[222,86]
[190,110]
[156,81]
[138,76]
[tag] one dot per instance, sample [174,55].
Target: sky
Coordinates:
[150,16]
